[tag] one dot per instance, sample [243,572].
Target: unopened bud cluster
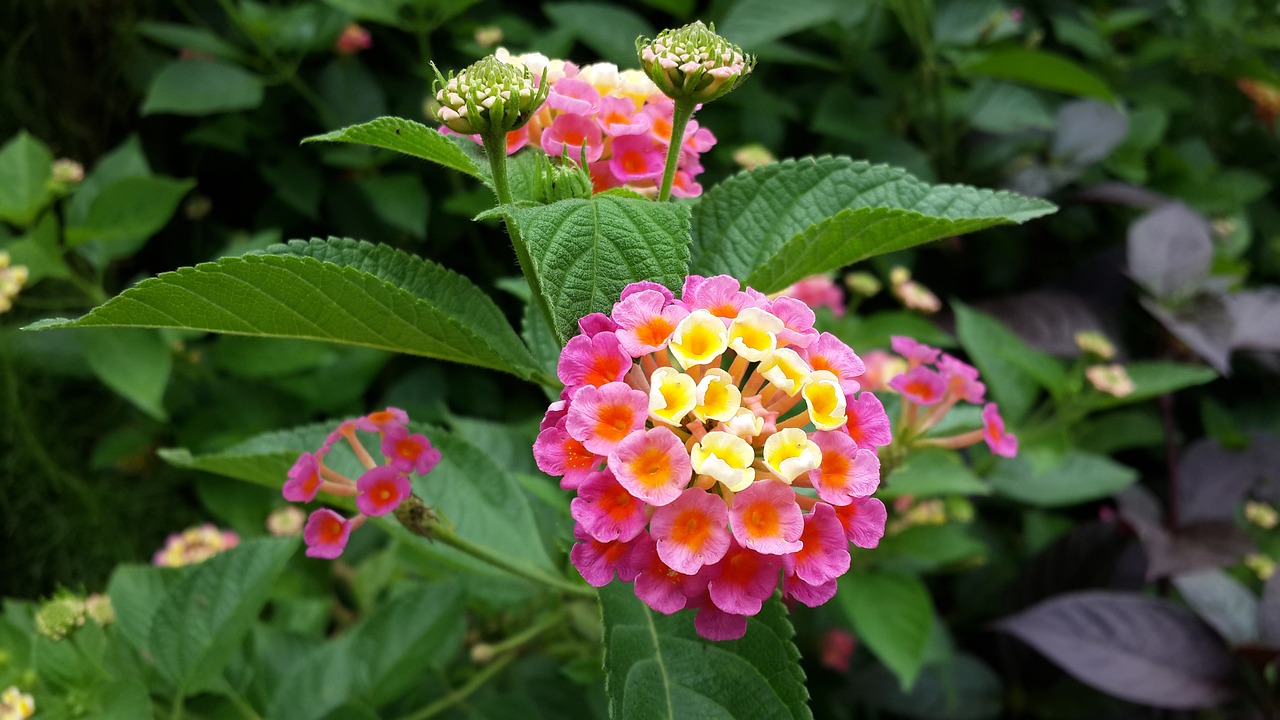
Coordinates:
[693,63]
[12,278]
[489,95]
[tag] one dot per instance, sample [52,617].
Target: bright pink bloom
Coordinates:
[683,186]
[598,561]
[962,379]
[605,509]
[641,286]
[657,585]
[558,454]
[569,133]
[304,480]
[691,531]
[574,96]
[920,385]
[592,360]
[765,518]
[720,295]
[636,158]
[847,472]
[556,412]
[794,588]
[381,490]
[382,420]
[1001,443]
[595,323]
[713,623]
[660,114]
[825,555]
[797,320]
[652,465]
[326,534]
[618,116]
[863,521]
[913,350]
[602,417]
[881,368]
[697,140]
[743,580]
[830,353]
[818,291]
[409,453]
[645,321]
[868,424]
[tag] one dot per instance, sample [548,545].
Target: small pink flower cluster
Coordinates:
[621,118]
[930,383]
[718,445]
[352,40]
[379,491]
[194,545]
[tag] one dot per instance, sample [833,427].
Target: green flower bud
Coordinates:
[488,96]
[693,63]
[562,181]
[59,616]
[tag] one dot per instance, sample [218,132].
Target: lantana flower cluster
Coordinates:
[16,705]
[930,383]
[718,445]
[378,491]
[194,545]
[619,116]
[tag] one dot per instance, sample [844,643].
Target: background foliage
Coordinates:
[1116,545]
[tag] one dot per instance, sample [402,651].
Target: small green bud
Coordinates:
[59,616]
[488,96]
[863,284]
[562,181]
[693,63]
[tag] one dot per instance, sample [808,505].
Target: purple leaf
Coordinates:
[1223,602]
[1137,648]
[1204,324]
[1087,131]
[1255,316]
[1192,547]
[1170,250]
[1047,320]
[1213,481]
[1121,193]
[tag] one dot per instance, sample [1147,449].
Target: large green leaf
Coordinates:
[1013,372]
[205,616]
[782,222]
[609,30]
[133,362]
[586,251]
[379,659]
[202,87]
[657,667]
[408,137]
[1039,68]
[338,290]
[755,22]
[25,168]
[932,472]
[1043,478]
[893,615]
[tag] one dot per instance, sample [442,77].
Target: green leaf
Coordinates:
[39,251]
[1039,68]
[130,209]
[657,666]
[893,614]
[927,548]
[1012,371]
[1153,379]
[1043,478]
[782,222]
[586,251]
[408,137]
[187,37]
[26,166]
[133,363]
[206,615]
[137,592]
[751,23]
[399,200]
[609,30]
[932,472]
[379,659]
[339,290]
[201,87]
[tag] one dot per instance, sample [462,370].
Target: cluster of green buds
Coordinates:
[60,615]
[693,63]
[566,180]
[489,96]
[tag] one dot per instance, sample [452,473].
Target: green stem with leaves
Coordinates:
[495,150]
[454,697]
[679,120]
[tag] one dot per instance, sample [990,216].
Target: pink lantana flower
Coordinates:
[1000,442]
[378,491]
[818,291]
[698,455]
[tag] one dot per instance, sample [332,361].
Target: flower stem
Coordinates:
[683,111]
[462,693]
[495,149]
